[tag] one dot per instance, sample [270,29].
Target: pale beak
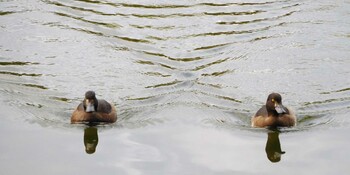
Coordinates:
[279,108]
[90,107]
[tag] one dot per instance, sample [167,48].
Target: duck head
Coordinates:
[90,102]
[274,103]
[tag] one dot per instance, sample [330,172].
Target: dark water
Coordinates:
[185,77]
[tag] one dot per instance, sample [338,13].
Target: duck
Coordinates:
[92,110]
[274,114]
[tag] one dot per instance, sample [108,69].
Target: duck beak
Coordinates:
[90,107]
[279,108]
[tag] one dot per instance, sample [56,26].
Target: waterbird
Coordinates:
[274,114]
[92,110]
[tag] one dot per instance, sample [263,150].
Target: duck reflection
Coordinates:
[90,139]
[273,147]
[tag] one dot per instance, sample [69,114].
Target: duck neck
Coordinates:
[273,113]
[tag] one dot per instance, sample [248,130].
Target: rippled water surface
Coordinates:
[185,76]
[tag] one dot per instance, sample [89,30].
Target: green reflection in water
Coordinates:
[256,20]
[5,13]
[152,6]
[90,139]
[109,25]
[210,64]
[61,99]
[236,3]
[164,84]
[35,105]
[340,90]
[273,147]
[156,74]
[216,74]
[15,63]
[20,74]
[189,59]
[327,101]
[35,86]
[233,13]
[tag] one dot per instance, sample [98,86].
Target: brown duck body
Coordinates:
[274,114]
[92,110]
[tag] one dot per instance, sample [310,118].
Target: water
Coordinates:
[185,77]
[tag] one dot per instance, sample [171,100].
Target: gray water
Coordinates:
[185,76]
